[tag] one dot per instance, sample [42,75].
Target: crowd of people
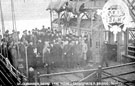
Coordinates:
[46,46]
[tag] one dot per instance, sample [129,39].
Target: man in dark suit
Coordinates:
[104,58]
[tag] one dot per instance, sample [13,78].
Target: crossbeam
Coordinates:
[121,65]
[116,79]
[64,73]
[115,76]
[87,77]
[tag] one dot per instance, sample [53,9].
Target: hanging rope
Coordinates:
[13,16]
[14,26]
[2,19]
[3,31]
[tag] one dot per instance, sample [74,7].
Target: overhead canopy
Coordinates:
[72,6]
[76,6]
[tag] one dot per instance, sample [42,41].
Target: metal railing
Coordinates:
[131,51]
[130,44]
[12,70]
[99,72]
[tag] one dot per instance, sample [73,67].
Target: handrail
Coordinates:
[131,51]
[129,56]
[13,70]
[111,67]
[12,66]
[94,72]
[131,46]
[63,73]
[8,76]
[10,69]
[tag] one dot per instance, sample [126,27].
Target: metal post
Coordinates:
[78,25]
[38,78]
[26,55]
[99,74]
[59,22]
[126,40]
[31,75]
[91,35]
[51,17]
[118,46]
[88,70]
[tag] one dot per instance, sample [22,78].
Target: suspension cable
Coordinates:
[14,26]
[2,19]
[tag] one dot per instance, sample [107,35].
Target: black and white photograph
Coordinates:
[67,42]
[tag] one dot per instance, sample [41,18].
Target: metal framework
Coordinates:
[99,71]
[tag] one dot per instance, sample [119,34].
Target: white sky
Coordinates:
[29,14]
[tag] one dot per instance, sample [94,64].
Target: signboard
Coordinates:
[115,12]
[115,16]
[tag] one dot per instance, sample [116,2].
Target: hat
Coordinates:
[105,42]
[7,31]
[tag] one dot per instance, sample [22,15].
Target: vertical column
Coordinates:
[51,18]
[106,34]
[59,22]
[27,68]
[99,74]
[119,46]
[78,24]
[126,41]
[111,38]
